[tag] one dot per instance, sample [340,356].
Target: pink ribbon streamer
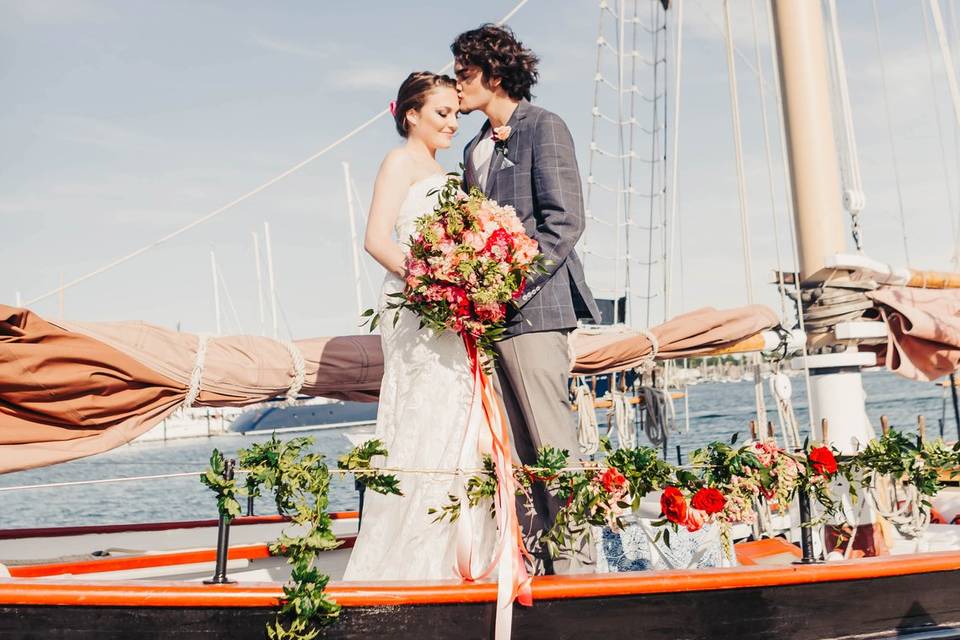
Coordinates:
[513,581]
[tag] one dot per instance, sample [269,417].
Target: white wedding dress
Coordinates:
[425,407]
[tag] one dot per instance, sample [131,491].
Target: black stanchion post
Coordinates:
[806,534]
[223,537]
[361,489]
[956,404]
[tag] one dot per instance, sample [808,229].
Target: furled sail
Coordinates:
[69,390]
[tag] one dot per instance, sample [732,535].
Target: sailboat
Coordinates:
[772,593]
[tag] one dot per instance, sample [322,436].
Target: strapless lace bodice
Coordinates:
[416,204]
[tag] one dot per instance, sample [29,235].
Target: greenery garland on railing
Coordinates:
[722,484]
[300,483]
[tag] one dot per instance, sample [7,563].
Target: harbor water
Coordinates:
[717,411]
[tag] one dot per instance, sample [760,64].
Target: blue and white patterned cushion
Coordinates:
[633,548]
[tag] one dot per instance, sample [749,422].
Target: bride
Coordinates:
[425,415]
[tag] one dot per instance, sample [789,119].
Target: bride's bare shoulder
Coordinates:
[398,165]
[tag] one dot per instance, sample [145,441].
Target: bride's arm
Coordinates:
[393,182]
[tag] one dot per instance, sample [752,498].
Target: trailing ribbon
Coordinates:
[513,581]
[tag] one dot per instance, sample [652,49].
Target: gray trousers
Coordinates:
[533,371]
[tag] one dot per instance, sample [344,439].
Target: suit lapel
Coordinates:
[469,170]
[497,162]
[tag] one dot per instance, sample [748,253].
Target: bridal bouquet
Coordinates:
[468,260]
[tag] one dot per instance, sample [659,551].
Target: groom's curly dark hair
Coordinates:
[498,53]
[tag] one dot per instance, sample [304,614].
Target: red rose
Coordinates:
[674,505]
[708,499]
[613,481]
[500,237]
[822,461]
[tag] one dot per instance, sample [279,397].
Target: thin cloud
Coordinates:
[289,47]
[97,132]
[372,78]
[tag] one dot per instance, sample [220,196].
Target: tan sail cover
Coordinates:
[696,332]
[923,330]
[69,390]
[72,390]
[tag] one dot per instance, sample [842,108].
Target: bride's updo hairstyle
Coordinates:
[413,95]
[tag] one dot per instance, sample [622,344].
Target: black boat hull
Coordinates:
[918,605]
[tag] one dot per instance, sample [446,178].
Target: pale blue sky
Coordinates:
[124,120]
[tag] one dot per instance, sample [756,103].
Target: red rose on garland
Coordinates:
[709,499]
[613,481]
[822,461]
[674,505]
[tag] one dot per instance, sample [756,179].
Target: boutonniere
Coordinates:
[500,137]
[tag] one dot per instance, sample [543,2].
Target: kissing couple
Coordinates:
[523,156]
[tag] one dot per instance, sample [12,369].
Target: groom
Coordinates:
[524,157]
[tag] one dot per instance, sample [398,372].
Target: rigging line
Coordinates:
[620,178]
[886,107]
[662,173]
[363,263]
[671,220]
[940,136]
[233,308]
[769,158]
[948,65]
[654,153]
[853,197]
[738,148]
[634,122]
[742,197]
[719,27]
[593,134]
[249,194]
[791,219]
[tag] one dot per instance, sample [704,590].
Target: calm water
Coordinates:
[716,412]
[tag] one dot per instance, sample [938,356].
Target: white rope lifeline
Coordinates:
[197,374]
[77,483]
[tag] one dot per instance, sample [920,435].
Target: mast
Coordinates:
[256,258]
[814,170]
[353,237]
[836,385]
[216,290]
[271,282]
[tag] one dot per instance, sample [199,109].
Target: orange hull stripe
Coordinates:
[182,594]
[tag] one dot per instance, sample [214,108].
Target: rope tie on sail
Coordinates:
[648,360]
[299,371]
[588,431]
[193,391]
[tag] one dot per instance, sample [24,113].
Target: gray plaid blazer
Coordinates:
[536,173]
